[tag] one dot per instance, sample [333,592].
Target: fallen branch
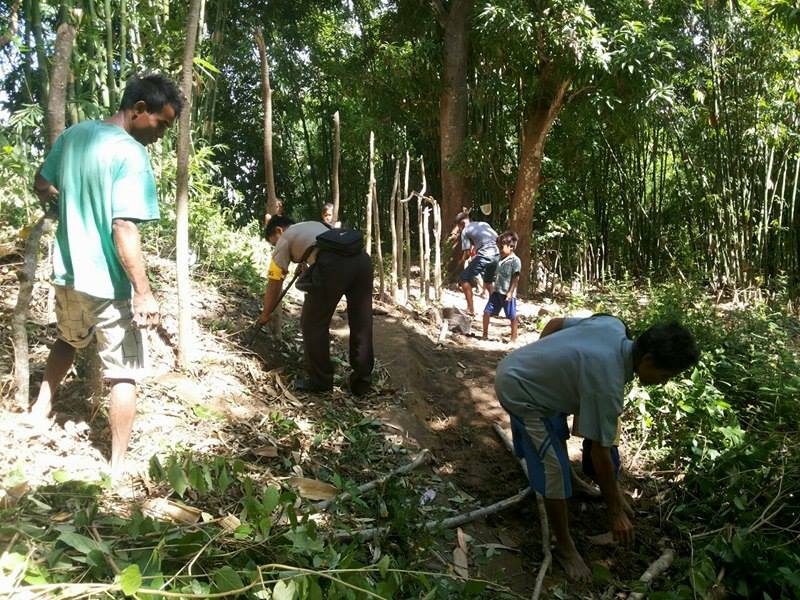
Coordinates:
[449,523]
[545,524]
[654,570]
[421,458]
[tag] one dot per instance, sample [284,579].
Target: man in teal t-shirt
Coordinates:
[100,173]
[582,366]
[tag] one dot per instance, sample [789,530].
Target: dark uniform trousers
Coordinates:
[337,276]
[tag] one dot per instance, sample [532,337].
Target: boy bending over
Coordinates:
[583,368]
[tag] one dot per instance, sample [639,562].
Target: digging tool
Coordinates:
[257,326]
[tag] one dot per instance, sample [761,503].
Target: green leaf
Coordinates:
[156,470]
[314,592]
[601,574]
[81,543]
[224,480]
[383,565]
[270,500]
[201,62]
[473,588]
[177,478]
[284,590]
[130,580]
[227,580]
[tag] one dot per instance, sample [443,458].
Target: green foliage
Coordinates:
[726,430]
[275,547]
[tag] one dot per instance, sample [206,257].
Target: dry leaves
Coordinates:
[313,489]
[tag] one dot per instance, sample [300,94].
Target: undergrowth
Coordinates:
[727,433]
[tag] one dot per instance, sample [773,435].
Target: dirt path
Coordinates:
[449,406]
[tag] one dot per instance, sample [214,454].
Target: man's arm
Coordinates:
[553,325]
[621,525]
[146,312]
[271,295]
[44,190]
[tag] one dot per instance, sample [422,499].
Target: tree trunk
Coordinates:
[453,107]
[57,99]
[182,191]
[272,198]
[539,118]
[335,168]
[56,118]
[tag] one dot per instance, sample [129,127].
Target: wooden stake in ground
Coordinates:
[426,244]
[337,141]
[370,184]
[269,177]
[182,191]
[393,215]
[407,227]
[376,216]
[437,237]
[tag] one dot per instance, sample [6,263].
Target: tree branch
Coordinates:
[421,458]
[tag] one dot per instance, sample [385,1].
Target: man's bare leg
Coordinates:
[565,552]
[486,326]
[121,411]
[58,363]
[467,289]
[514,330]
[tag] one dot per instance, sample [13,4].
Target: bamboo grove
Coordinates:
[622,139]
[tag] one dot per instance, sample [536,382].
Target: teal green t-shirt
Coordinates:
[102,174]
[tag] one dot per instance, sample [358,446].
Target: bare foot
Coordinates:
[573,564]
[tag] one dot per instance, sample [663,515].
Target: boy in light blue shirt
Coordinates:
[582,366]
[504,295]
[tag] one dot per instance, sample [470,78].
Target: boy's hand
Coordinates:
[621,527]
[509,296]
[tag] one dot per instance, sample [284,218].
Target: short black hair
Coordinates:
[461,216]
[671,345]
[155,90]
[275,222]
[508,237]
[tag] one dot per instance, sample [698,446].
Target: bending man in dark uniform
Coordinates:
[334,276]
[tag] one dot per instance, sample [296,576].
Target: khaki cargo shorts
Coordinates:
[119,344]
